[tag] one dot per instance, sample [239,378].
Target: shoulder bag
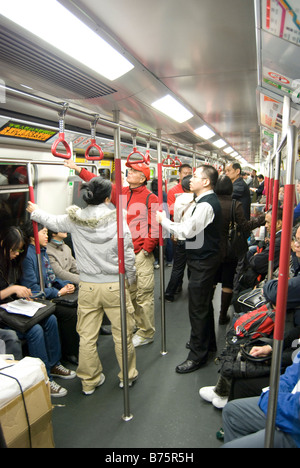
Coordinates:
[237,244]
[21,323]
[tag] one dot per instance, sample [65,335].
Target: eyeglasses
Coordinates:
[17,251]
[296,241]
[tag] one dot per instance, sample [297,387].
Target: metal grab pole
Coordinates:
[127,416]
[35,230]
[282,289]
[163,351]
[274,211]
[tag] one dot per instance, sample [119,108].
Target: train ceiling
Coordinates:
[203,52]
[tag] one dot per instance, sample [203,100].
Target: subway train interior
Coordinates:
[172,82]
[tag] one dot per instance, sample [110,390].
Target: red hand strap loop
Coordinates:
[144,159]
[177,162]
[98,148]
[61,139]
[170,162]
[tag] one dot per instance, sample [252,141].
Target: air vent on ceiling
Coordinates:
[28,57]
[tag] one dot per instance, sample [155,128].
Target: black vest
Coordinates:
[207,243]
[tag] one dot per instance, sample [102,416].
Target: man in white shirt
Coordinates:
[202,233]
[183,207]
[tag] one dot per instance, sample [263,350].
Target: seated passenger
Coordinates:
[293,295]
[260,261]
[61,259]
[257,268]
[42,339]
[244,421]
[224,388]
[54,287]
[95,240]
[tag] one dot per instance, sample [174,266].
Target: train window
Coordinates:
[14,194]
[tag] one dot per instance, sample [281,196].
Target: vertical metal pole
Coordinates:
[163,351]
[127,416]
[282,288]
[35,230]
[274,209]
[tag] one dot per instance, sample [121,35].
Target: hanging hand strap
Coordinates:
[61,137]
[93,144]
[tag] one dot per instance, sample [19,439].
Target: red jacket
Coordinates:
[143,226]
[172,197]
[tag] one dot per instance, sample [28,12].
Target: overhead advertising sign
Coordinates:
[26,132]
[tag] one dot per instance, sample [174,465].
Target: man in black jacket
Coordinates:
[241,191]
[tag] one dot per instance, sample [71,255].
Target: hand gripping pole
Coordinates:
[61,137]
[93,144]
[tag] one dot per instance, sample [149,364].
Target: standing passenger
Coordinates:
[95,237]
[202,231]
[184,171]
[241,191]
[138,201]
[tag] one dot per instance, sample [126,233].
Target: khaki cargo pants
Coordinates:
[93,300]
[142,295]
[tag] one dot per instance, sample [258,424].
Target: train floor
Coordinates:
[167,410]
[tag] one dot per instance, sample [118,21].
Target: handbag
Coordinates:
[22,323]
[253,299]
[236,361]
[237,244]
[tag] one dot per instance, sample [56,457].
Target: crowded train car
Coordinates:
[149,226]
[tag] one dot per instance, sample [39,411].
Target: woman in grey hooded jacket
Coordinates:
[95,241]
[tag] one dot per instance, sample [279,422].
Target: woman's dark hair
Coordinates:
[224,186]
[96,191]
[12,238]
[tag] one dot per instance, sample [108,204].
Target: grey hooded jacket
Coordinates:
[95,241]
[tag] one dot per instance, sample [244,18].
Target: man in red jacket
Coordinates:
[141,206]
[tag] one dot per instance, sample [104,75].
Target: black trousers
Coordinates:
[178,268]
[201,290]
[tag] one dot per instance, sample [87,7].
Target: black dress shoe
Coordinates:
[188,366]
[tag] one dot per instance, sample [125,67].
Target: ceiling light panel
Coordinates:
[204,132]
[172,108]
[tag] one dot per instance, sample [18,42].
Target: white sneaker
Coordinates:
[130,382]
[138,340]
[56,390]
[90,392]
[208,393]
[220,402]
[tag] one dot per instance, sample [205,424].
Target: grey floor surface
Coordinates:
[167,410]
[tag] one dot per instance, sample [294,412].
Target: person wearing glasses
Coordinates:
[42,339]
[202,231]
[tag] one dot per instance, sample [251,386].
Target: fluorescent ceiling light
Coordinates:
[228,150]
[235,154]
[219,143]
[204,132]
[53,23]
[172,108]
